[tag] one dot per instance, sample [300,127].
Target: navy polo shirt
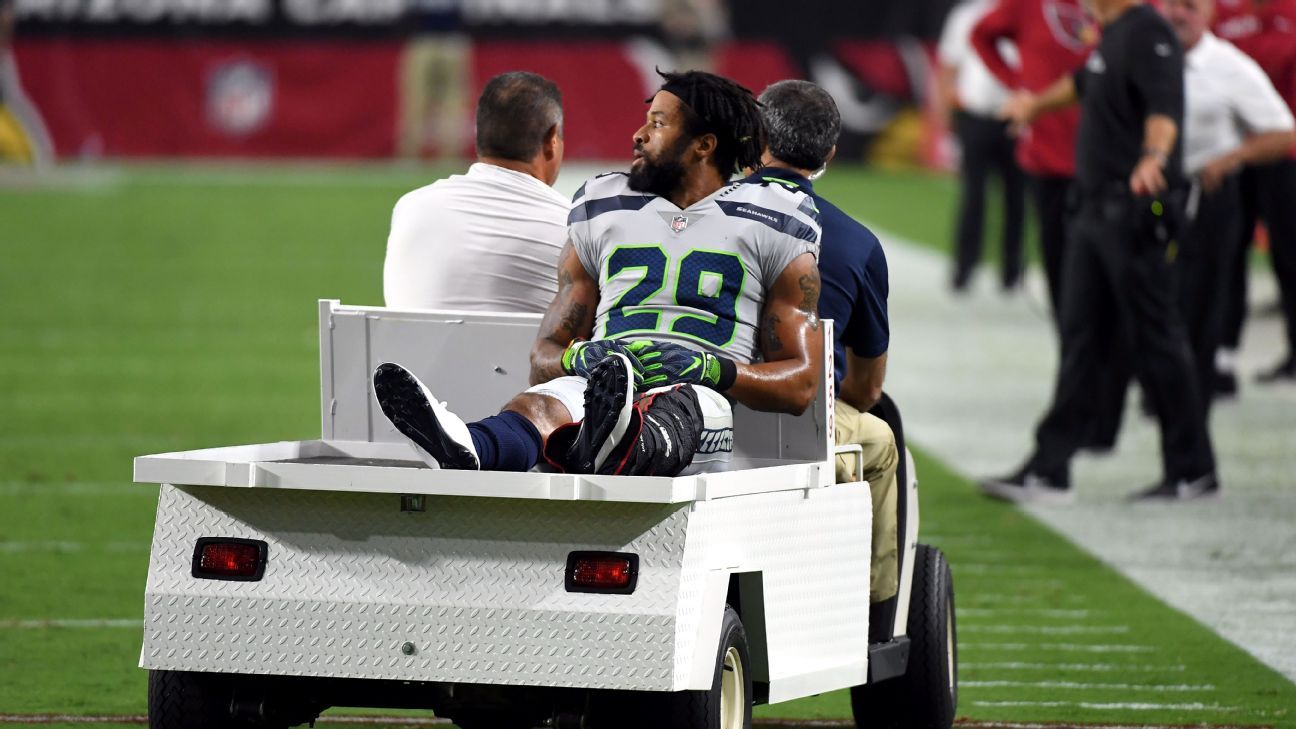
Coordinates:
[853,270]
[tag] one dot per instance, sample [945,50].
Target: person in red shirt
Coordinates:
[1053,38]
[1266,31]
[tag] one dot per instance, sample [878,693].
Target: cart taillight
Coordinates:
[602,572]
[223,558]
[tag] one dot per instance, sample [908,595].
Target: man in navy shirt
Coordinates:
[803,123]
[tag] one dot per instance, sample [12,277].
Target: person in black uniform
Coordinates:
[1120,264]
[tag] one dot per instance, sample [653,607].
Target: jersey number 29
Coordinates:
[709,281]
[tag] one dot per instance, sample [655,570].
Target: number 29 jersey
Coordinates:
[696,277]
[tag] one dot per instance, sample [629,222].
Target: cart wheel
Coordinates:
[926,695]
[726,705]
[180,700]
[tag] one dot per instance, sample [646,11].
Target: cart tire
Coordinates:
[726,705]
[926,695]
[182,700]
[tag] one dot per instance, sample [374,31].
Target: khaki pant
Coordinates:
[879,469]
[435,87]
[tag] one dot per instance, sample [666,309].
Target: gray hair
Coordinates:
[802,122]
[515,113]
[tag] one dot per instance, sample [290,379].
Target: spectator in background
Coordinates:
[974,97]
[1233,117]
[803,124]
[488,240]
[23,138]
[435,78]
[1120,259]
[1265,30]
[1052,38]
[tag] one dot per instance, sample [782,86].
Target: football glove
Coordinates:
[664,363]
[581,356]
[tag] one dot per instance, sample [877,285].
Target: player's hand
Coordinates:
[671,364]
[1148,179]
[1019,111]
[581,356]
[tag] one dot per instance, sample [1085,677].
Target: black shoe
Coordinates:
[1028,487]
[1181,489]
[1224,385]
[609,404]
[1285,372]
[438,436]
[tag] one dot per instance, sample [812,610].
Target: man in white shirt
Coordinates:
[1233,117]
[488,240]
[972,97]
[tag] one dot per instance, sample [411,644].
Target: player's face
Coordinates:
[659,147]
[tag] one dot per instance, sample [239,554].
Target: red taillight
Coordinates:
[229,559]
[604,572]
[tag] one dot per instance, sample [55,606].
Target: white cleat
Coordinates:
[438,436]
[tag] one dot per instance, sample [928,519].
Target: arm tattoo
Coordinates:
[810,299]
[574,317]
[769,329]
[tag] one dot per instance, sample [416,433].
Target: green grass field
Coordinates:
[164,309]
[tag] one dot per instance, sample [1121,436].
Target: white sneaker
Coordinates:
[438,436]
[1025,487]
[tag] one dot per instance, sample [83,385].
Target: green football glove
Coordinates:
[581,356]
[665,363]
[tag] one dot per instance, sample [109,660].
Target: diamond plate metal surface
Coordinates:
[476,584]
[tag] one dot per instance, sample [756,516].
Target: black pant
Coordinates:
[1051,201]
[1116,277]
[1206,260]
[1268,193]
[988,149]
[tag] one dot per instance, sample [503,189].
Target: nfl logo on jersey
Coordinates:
[679,223]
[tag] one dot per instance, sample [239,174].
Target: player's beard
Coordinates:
[660,176]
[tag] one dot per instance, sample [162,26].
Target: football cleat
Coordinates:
[438,436]
[1027,487]
[609,406]
[1183,489]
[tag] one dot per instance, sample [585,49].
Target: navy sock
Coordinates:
[506,442]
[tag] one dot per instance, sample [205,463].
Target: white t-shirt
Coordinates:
[1227,97]
[979,92]
[487,240]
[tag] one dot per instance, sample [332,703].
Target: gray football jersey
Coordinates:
[697,277]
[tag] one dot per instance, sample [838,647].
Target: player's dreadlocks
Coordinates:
[715,105]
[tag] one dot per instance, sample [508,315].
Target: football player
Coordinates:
[676,291]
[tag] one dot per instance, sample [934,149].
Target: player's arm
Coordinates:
[1024,107]
[861,388]
[791,341]
[570,316]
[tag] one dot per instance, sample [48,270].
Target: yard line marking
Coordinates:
[1043,612]
[11,624]
[1129,706]
[61,546]
[1075,647]
[1167,688]
[1047,629]
[1097,667]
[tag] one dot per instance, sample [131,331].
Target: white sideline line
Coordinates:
[1128,706]
[1075,647]
[1047,629]
[70,623]
[1166,688]
[982,568]
[1042,612]
[59,546]
[1097,667]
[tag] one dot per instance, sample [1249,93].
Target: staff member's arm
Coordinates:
[1271,130]
[1156,66]
[1024,107]
[861,388]
[998,24]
